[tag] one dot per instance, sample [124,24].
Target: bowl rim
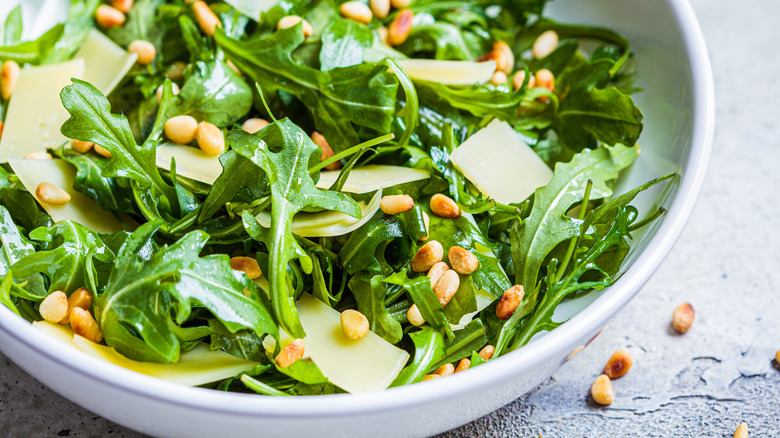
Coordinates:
[490,374]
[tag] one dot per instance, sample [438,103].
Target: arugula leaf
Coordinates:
[243,343]
[343,44]
[12,28]
[145,289]
[467,340]
[365,248]
[14,245]
[142,24]
[24,209]
[370,295]
[422,295]
[429,349]
[5,292]
[107,192]
[304,371]
[31,52]
[75,30]
[238,172]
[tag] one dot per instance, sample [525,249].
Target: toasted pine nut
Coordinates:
[38,156]
[210,138]
[445,370]
[463,365]
[602,391]
[427,256]
[499,78]
[101,151]
[247,265]
[145,51]
[122,5]
[545,44]
[253,125]
[682,318]
[400,4]
[174,89]
[354,324]
[427,223]
[327,151]
[436,271]
[357,11]
[414,316]
[462,260]
[54,307]
[519,78]
[176,71]
[396,204]
[509,302]
[292,20]
[207,19]
[2,125]
[618,365]
[428,377]
[108,17]
[51,194]
[291,353]
[9,75]
[505,59]
[83,324]
[81,298]
[384,35]
[81,146]
[380,8]
[445,207]
[545,79]
[233,67]
[181,129]
[400,27]
[447,287]
[487,352]
[742,431]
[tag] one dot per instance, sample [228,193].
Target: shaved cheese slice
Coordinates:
[106,64]
[191,163]
[252,8]
[372,177]
[80,209]
[327,223]
[484,299]
[500,164]
[357,366]
[449,72]
[195,367]
[35,112]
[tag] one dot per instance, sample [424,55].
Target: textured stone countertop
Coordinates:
[727,264]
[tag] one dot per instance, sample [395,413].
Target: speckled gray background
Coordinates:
[702,384]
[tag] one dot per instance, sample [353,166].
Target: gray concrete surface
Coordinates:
[702,384]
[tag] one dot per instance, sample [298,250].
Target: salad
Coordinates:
[311,197]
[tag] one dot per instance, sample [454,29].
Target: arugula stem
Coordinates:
[353,150]
[655,215]
[573,242]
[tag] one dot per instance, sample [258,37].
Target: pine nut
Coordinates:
[145,51]
[427,223]
[519,78]
[9,75]
[181,129]
[463,365]
[247,265]
[436,271]
[505,59]
[210,138]
[445,207]
[357,11]
[400,4]
[207,19]
[396,204]
[122,5]
[545,79]
[253,125]
[487,352]
[101,151]
[327,151]
[108,17]
[742,431]
[380,8]
[462,260]
[38,156]
[291,353]
[602,391]
[545,44]
[445,370]
[174,89]
[354,324]
[400,27]
[54,307]
[618,365]
[2,125]
[51,194]
[83,324]
[81,298]
[291,20]
[176,71]
[427,256]
[428,377]
[499,78]
[447,287]
[509,302]
[384,35]
[682,318]
[81,146]
[414,316]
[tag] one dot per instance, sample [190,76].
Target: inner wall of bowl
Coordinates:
[662,66]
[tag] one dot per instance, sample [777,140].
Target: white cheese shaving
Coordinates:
[106,63]
[252,8]
[464,73]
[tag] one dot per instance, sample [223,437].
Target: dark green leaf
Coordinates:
[370,296]
[429,349]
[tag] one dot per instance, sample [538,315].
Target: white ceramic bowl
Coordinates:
[678,104]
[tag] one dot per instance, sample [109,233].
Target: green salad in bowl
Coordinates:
[311,197]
